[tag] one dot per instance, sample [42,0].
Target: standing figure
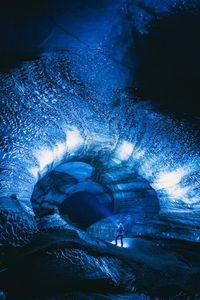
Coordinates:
[120,232]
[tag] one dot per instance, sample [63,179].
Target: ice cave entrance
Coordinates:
[97,199]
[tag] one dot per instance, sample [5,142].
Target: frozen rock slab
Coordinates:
[62,260]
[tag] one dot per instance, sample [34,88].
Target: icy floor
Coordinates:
[161,268]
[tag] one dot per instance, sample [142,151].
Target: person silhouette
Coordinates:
[120,234]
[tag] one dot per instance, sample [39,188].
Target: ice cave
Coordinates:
[100,126]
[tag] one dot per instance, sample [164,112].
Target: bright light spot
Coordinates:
[59,150]
[125,151]
[177,191]
[166,180]
[45,157]
[34,171]
[125,244]
[171,183]
[74,139]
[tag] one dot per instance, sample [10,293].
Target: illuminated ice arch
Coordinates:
[85,194]
[109,152]
[67,125]
[169,184]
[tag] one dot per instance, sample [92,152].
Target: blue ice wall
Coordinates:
[73,105]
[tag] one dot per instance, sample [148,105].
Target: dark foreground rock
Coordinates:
[69,264]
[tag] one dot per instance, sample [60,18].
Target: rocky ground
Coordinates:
[69,264]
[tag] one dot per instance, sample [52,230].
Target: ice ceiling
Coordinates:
[70,111]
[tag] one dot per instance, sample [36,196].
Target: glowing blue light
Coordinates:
[125,243]
[125,151]
[166,180]
[47,156]
[171,183]
[73,139]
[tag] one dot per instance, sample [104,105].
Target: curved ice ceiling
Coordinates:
[72,105]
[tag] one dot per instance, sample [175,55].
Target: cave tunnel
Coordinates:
[97,199]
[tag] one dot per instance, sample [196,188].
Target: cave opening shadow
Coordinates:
[85,208]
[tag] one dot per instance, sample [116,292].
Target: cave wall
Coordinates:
[73,104]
